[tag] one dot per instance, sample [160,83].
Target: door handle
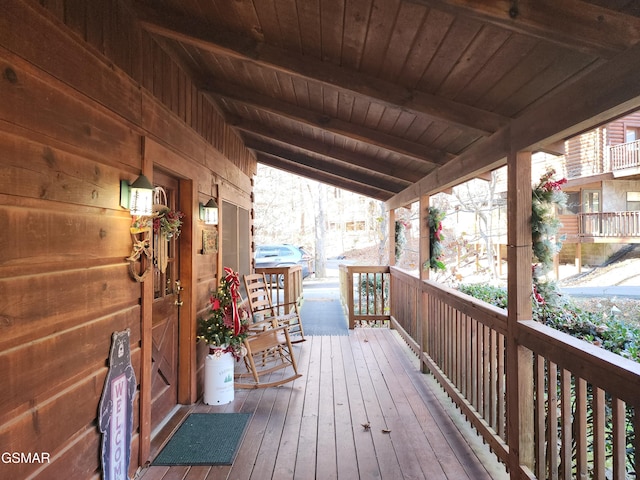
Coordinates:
[179,288]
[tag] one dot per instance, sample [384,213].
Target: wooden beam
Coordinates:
[324,149]
[608,92]
[193,32]
[333,180]
[573,24]
[332,125]
[555,148]
[355,174]
[520,426]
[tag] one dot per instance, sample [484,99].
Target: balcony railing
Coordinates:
[625,155]
[580,421]
[609,224]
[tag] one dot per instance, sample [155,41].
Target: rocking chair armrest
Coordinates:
[288,303]
[267,323]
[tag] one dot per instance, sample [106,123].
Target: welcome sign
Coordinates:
[116,409]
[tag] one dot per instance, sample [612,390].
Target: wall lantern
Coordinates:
[209,212]
[138,196]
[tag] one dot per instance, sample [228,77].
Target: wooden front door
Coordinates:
[166,309]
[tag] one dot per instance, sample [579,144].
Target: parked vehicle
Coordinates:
[283,255]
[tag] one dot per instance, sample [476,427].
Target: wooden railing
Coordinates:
[586,407]
[609,224]
[461,341]
[365,294]
[625,155]
[286,286]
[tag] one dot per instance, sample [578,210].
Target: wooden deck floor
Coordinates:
[313,427]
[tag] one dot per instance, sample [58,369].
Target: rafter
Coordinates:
[574,24]
[436,108]
[325,150]
[329,124]
[330,179]
[354,174]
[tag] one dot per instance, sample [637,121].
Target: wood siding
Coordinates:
[616,130]
[587,154]
[89,99]
[584,154]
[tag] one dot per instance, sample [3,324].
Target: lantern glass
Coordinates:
[211,213]
[141,197]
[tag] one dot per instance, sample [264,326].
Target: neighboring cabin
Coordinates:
[603,206]
[602,215]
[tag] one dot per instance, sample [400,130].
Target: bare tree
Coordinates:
[321,231]
[479,197]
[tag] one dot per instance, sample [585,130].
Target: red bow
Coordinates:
[233,281]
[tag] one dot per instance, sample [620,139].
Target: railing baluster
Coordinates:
[599,433]
[566,422]
[501,387]
[539,416]
[552,421]
[580,426]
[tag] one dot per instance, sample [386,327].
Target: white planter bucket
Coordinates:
[218,378]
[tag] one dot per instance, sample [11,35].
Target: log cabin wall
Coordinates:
[88,99]
[584,154]
[616,130]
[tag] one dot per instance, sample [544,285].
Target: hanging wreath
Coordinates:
[436,250]
[168,222]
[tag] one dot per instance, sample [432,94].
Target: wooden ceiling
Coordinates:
[376,95]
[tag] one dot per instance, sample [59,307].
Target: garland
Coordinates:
[436,250]
[400,239]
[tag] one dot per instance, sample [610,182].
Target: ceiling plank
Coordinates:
[321,148]
[322,177]
[190,31]
[355,175]
[336,126]
[573,24]
[611,90]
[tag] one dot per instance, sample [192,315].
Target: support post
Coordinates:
[520,409]
[350,298]
[424,237]
[392,237]
[424,260]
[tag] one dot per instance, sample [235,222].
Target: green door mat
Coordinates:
[205,439]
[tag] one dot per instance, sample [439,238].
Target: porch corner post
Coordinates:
[520,409]
[350,298]
[392,237]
